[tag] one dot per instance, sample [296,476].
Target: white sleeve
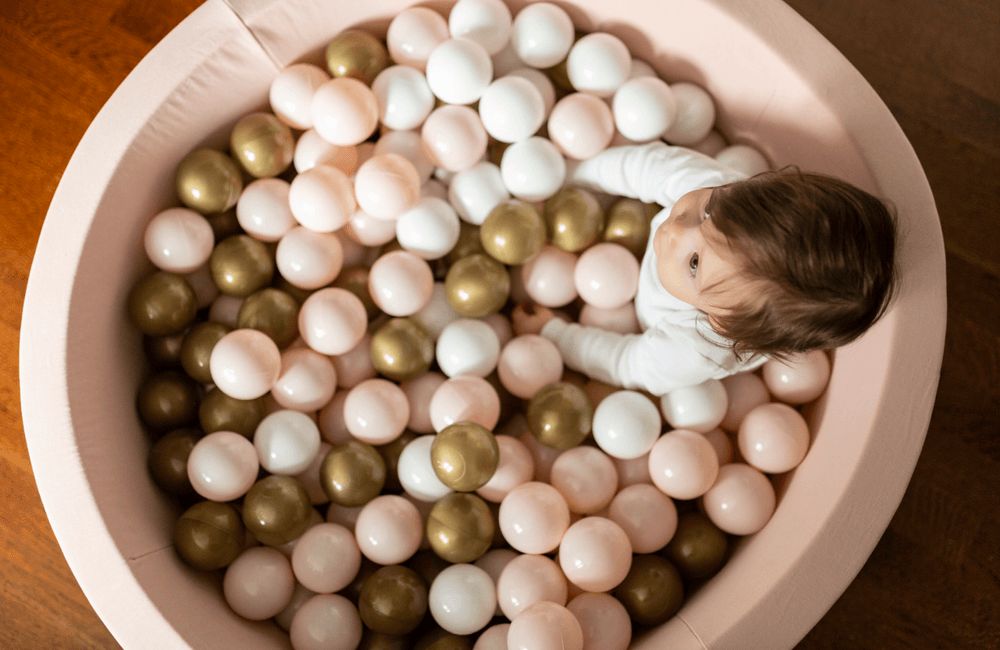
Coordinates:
[653,173]
[653,361]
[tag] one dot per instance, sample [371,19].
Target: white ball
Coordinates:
[468,347]
[437,313]
[416,472]
[743,158]
[462,599]
[292,93]
[409,145]
[533,169]
[179,240]
[404,98]
[308,259]
[512,109]
[486,22]
[245,364]
[413,34]
[344,111]
[263,210]
[306,382]
[475,191]
[458,71]
[322,198]
[369,231]
[542,84]
[287,442]
[626,424]
[695,114]
[429,229]
[697,408]
[598,64]
[311,150]
[644,108]
[542,34]
[326,622]
[222,466]
[387,185]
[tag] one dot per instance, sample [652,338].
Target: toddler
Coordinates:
[737,270]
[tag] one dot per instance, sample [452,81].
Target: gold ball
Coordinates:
[162,304]
[393,600]
[209,535]
[356,53]
[355,280]
[262,144]
[352,474]
[401,349]
[469,243]
[167,400]
[272,312]
[477,286]
[168,461]
[241,265]
[628,224]
[698,548]
[163,352]
[574,219]
[465,456]
[513,232]
[220,412]
[276,510]
[560,415]
[197,350]
[460,527]
[652,591]
[208,181]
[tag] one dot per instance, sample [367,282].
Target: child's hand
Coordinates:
[529,318]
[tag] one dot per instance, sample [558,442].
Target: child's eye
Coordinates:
[693,264]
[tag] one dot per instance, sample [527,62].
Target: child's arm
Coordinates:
[653,173]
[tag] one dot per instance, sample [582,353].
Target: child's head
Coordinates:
[782,262]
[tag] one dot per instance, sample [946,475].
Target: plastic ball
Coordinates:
[475,191]
[741,501]
[477,286]
[542,34]
[699,408]
[560,415]
[573,219]
[331,420]
[462,599]
[493,638]
[388,529]
[647,516]
[416,471]
[744,392]
[376,411]
[711,144]
[722,445]
[598,64]
[511,109]
[368,230]
[743,158]
[652,592]
[357,54]
[460,528]
[259,583]
[514,467]
[533,518]
[486,22]
[263,210]
[208,181]
[640,68]
[695,114]
[326,622]
[201,282]
[209,535]
[586,477]
[458,71]
[595,554]
[344,111]
[332,321]
[308,259]
[627,223]
[400,350]
[409,145]
[262,144]
[464,456]
[527,364]
[429,229]
[541,83]
[178,240]
[292,92]
[698,548]
[604,621]
[222,466]
[505,61]
[393,601]
[437,313]
[386,186]
[467,347]
[404,98]
[529,579]
[533,169]
[581,125]
[287,441]
[622,319]
[353,473]
[454,137]
[306,382]
[322,198]
[513,233]
[414,33]
[465,399]
[545,625]
[549,278]
[311,150]
[607,276]
[400,283]
[644,108]
[245,364]
[419,391]
[799,380]
[632,471]
[774,438]
[326,558]
[626,424]
[683,464]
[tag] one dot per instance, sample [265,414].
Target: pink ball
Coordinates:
[309,259]
[774,438]
[245,364]
[326,622]
[455,137]
[742,500]
[533,518]
[744,392]
[179,240]
[344,111]
[311,150]
[322,198]
[799,380]
[595,554]
[581,125]
[223,466]
[622,319]
[355,365]
[400,283]
[332,321]
[683,464]
[545,626]
[310,478]
[493,638]
[389,529]
[722,445]
[376,411]
[259,583]
[414,33]
[465,399]
[386,186]
[343,515]
[607,275]
[306,382]
[263,210]
[368,230]
[549,278]
[647,516]
[529,579]
[419,392]
[586,477]
[527,364]
[604,620]
[331,420]
[326,559]
[501,326]
[543,455]
[516,467]
[632,471]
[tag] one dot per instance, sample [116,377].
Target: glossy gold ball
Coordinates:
[652,591]
[560,415]
[197,350]
[698,548]
[241,265]
[460,527]
[276,510]
[352,474]
[262,144]
[356,53]
[168,461]
[465,456]
[208,181]
[371,640]
[393,600]
[273,312]
[573,219]
[163,352]
[162,304]
[220,412]
[469,243]
[401,349]
[513,232]
[628,224]
[167,400]
[477,286]
[209,535]
[439,639]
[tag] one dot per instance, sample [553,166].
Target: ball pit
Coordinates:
[871,380]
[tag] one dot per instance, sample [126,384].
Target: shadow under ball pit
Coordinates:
[788,90]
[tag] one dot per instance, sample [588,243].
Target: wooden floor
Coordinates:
[933,581]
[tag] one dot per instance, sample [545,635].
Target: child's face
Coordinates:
[691,256]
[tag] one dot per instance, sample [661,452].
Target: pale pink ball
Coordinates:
[306,382]
[376,411]
[354,253]
[595,554]
[722,445]
[409,145]
[245,364]
[312,150]
[527,364]
[259,583]
[419,392]
[607,275]
[389,529]
[493,563]
[774,438]
[263,210]
[543,455]
[465,399]
[368,230]
[355,365]
[400,283]
[344,111]
[346,516]
[331,420]
[454,137]
[309,259]
[549,278]
[414,33]
[683,464]
[622,319]
[332,321]
[179,240]
[292,92]
[516,467]
[744,392]
[533,518]
[647,516]
[581,125]
[604,620]
[223,466]
[310,479]
[586,477]
[322,198]
[493,638]
[545,626]
[501,327]
[529,579]
[632,471]
[326,622]
[742,500]
[799,380]
[326,559]
[386,186]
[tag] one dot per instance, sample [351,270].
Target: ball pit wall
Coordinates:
[779,85]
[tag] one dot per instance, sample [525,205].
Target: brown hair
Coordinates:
[821,253]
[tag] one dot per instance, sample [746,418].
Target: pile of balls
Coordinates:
[341,315]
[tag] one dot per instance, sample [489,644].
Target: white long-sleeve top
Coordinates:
[677,348]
